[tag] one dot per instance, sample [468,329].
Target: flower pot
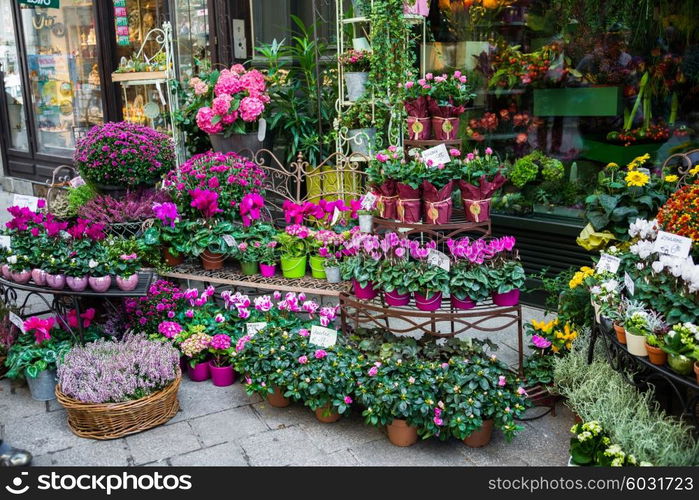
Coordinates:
[128,283]
[198,372]
[364,293]
[436,202]
[636,344]
[476,210]
[77,283]
[366,223]
[267,271]
[458,303]
[212,261]
[361,141]
[656,355]
[445,129]
[6,273]
[327,414]
[356,84]
[317,269]
[249,268]
[481,436]
[620,333]
[409,205]
[507,299]
[39,277]
[396,299]
[170,259]
[100,284]
[680,364]
[277,398]
[696,370]
[419,129]
[43,386]
[419,7]
[431,302]
[293,267]
[56,281]
[332,273]
[221,376]
[400,433]
[236,143]
[21,277]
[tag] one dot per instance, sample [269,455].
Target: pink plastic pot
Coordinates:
[364,293]
[458,303]
[39,277]
[420,7]
[100,284]
[267,271]
[77,284]
[199,373]
[56,281]
[6,273]
[396,299]
[127,284]
[221,376]
[21,277]
[431,303]
[510,298]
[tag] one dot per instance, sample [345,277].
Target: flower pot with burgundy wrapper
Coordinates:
[481,436]
[386,199]
[277,398]
[445,129]
[211,261]
[409,207]
[476,198]
[401,433]
[419,129]
[477,210]
[436,203]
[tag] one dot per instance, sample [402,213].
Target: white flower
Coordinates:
[657,266]
[595,290]
[610,285]
[640,266]
[93,264]
[12,259]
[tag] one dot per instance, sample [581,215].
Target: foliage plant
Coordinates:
[39,349]
[591,446]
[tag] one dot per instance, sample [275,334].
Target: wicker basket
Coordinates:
[115,420]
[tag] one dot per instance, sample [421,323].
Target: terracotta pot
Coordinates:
[128,283]
[327,414]
[212,261]
[620,333]
[39,277]
[696,370]
[277,398]
[481,436]
[100,284]
[577,419]
[21,277]
[170,259]
[77,283]
[400,433]
[56,281]
[656,355]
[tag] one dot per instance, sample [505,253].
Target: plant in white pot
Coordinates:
[360,123]
[355,66]
[638,324]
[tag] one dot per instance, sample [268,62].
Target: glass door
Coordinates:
[14,115]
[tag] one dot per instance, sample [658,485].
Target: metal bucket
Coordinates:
[43,386]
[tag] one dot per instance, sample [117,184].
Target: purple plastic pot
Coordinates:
[199,373]
[221,376]
[100,284]
[77,283]
[510,298]
[127,284]
[39,277]
[364,293]
[21,277]
[458,303]
[6,273]
[431,303]
[56,281]
[396,299]
[267,271]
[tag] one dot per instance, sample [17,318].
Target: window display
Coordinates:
[11,81]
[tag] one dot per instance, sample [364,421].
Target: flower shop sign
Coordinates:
[608,263]
[51,4]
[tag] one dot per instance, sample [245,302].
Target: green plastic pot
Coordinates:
[249,268]
[317,267]
[293,267]
[681,365]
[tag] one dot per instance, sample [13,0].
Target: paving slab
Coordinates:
[41,433]
[348,432]
[431,452]
[162,442]
[227,425]
[17,401]
[287,446]
[202,398]
[92,453]
[279,418]
[342,458]
[223,454]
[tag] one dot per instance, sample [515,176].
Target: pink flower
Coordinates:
[502,380]
[189,313]
[40,327]
[220,341]
[454,152]
[219,318]
[488,151]
[131,256]
[304,333]
[169,329]
[521,391]
[320,354]
[540,342]
[251,108]
[221,104]
[303,360]
[243,313]
[263,303]
[348,400]
[373,371]
[437,421]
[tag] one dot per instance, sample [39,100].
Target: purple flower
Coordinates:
[166,212]
[303,359]
[220,341]
[540,342]
[320,354]
[373,371]
[348,400]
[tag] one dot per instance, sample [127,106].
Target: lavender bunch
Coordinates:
[113,372]
[136,206]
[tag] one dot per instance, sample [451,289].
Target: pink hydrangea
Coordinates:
[251,108]
[221,104]
[169,329]
[204,117]
[220,341]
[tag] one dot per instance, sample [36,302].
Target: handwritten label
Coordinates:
[629,284]
[608,263]
[261,129]
[438,154]
[368,201]
[17,321]
[323,337]
[673,245]
[253,328]
[336,216]
[76,182]
[230,240]
[439,259]
[23,200]
[5,242]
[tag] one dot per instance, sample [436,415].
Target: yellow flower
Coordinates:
[569,345]
[612,165]
[638,161]
[671,178]
[638,179]
[554,348]
[694,171]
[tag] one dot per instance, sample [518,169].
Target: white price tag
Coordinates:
[323,337]
[17,321]
[261,129]
[629,284]
[336,216]
[368,201]
[438,155]
[673,245]
[253,328]
[23,200]
[5,242]
[76,182]
[230,241]
[608,263]
[439,259]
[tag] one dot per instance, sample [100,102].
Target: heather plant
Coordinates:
[109,371]
[124,154]
[163,301]
[135,206]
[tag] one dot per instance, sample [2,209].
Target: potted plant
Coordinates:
[247,253]
[20,268]
[207,240]
[449,95]
[437,186]
[361,122]
[505,273]
[329,251]
[361,264]
[125,267]
[169,233]
[76,272]
[355,65]
[419,126]
[100,278]
[637,324]
[468,277]
[54,267]
[682,347]
[408,174]
[384,187]
[395,271]
[428,284]
[193,343]
[654,344]
[220,367]
[479,178]
[293,249]
[269,256]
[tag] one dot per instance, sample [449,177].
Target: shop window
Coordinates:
[11,82]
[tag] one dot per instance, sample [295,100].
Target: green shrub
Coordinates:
[79,196]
